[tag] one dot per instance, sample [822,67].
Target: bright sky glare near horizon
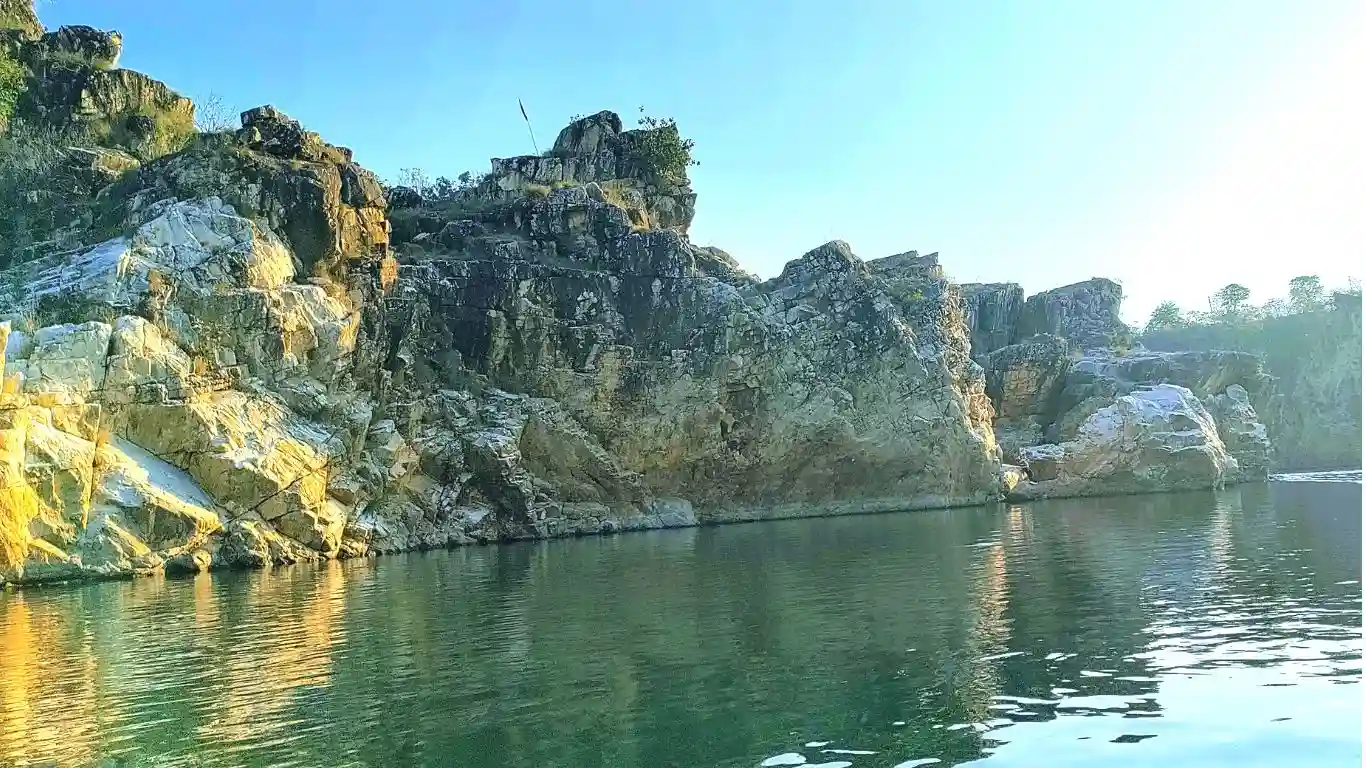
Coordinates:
[1172,145]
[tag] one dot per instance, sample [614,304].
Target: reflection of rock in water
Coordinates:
[990,630]
[268,665]
[42,715]
[1228,504]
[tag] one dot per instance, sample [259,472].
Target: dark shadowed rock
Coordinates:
[1023,381]
[404,197]
[72,90]
[992,314]
[267,129]
[749,400]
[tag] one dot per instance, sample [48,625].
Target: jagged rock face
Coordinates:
[1241,430]
[72,89]
[240,405]
[329,210]
[1158,439]
[247,376]
[595,149]
[992,314]
[228,414]
[747,399]
[1086,314]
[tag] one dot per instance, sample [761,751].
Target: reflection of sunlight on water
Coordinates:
[1226,505]
[1332,476]
[17,679]
[989,634]
[264,666]
[40,708]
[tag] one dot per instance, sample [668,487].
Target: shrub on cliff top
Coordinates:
[659,146]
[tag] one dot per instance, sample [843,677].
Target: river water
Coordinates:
[1178,630]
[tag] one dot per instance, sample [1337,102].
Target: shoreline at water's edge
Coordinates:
[706,519]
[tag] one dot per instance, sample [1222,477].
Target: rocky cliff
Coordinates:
[234,359]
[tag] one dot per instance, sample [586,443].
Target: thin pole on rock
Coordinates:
[528,127]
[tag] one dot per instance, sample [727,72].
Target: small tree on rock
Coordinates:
[1166,315]
[661,148]
[1306,294]
[1229,302]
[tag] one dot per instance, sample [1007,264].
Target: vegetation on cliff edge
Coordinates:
[12,76]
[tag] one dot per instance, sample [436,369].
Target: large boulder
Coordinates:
[1023,381]
[1097,379]
[1158,439]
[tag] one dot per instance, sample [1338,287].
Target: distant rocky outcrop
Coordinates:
[1071,397]
[597,150]
[1208,389]
[1085,314]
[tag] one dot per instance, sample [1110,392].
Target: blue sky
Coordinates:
[1175,146]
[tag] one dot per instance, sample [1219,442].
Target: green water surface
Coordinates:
[1177,630]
